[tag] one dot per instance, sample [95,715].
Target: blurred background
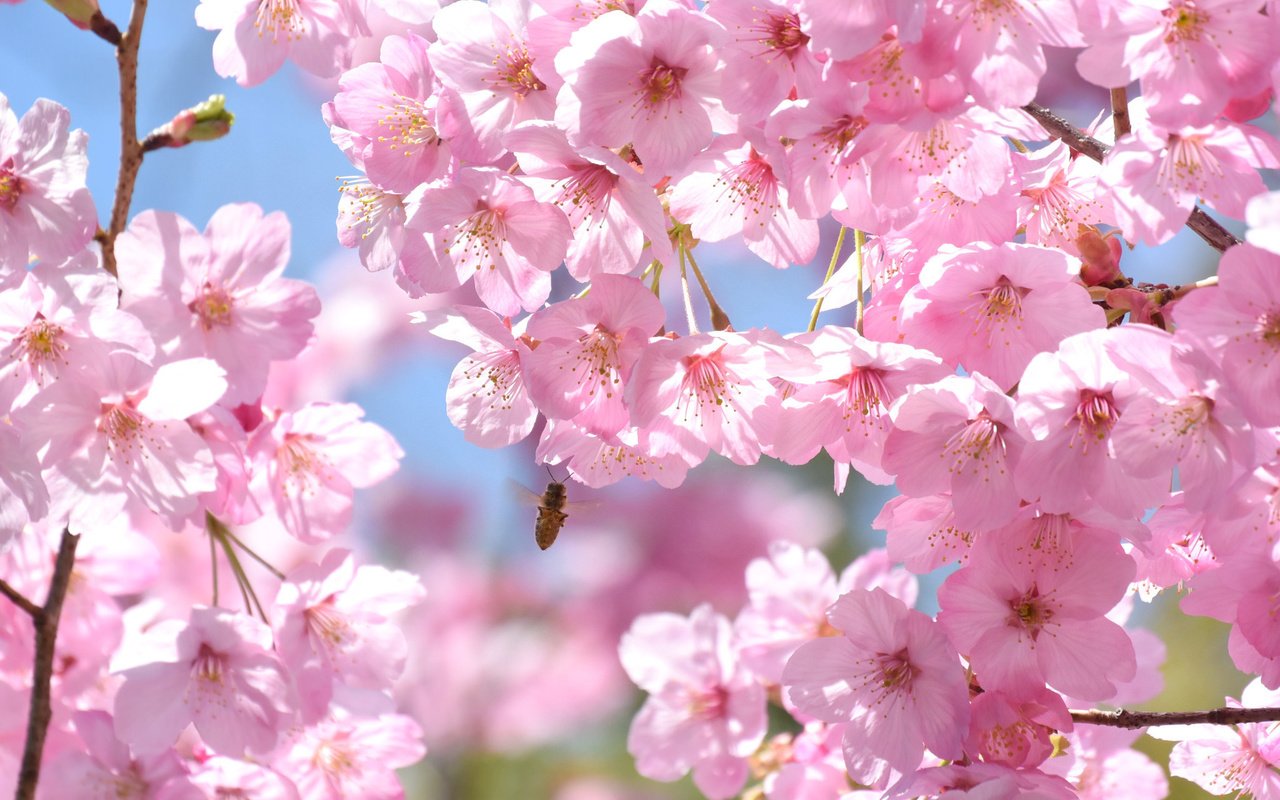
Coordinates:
[514,673]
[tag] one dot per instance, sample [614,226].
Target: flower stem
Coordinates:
[719,319]
[831,270]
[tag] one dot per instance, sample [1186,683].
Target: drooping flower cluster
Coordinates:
[133,409]
[1034,439]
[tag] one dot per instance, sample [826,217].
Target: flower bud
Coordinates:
[204,122]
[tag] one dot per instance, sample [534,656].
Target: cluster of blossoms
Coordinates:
[1034,438]
[133,408]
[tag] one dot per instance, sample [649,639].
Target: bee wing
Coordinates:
[581,505]
[523,495]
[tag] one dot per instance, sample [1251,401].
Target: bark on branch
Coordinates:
[1207,227]
[130,148]
[45,620]
[1146,719]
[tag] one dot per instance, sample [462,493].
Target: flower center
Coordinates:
[213,307]
[278,17]
[709,704]
[208,665]
[41,345]
[124,427]
[707,382]
[335,760]
[866,392]
[1184,22]
[367,204]
[479,239]
[896,672]
[781,32]
[327,623]
[517,72]
[661,83]
[1268,328]
[499,374]
[587,194]
[1031,612]
[752,185]
[979,440]
[408,125]
[1096,414]
[10,186]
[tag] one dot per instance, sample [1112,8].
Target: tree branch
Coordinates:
[1146,719]
[45,621]
[1209,229]
[18,599]
[130,148]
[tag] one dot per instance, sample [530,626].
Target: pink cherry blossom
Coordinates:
[587,349]
[333,625]
[1026,620]
[1241,317]
[482,53]
[105,769]
[845,29]
[707,389]
[652,81]
[922,533]
[614,213]
[790,593]
[45,209]
[219,294]
[958,435]
[1016,733]
[220,676]
[1190,57]
[311,460]
[487,398]
[767,56]
[254,38]
[1068,404]
[1240,759]
[121,434]
[892,677]
[399,125]
[844,406]
[1156,174]
[991,309]
[732,189]
[705,711]
[602,461]
[353,758]
[1059,194]
[981,780]
[487,225]
[218,777]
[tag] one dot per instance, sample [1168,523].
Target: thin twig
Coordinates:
[1120,112]
[130,148]
[265,564]
[1209,229]
[831,270]
[19,599]
[719,319]
[1146,719]
[690,319]
[859,239]
[46,630]
[1186,288]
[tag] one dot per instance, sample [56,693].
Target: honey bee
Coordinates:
[551,505]
[551,514]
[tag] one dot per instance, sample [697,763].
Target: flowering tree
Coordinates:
[1066,441]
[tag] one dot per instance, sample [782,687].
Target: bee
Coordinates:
[551,514]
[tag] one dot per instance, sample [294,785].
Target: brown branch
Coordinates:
[1209,229]
[130,149]
[18,599]
[1120,112]
[1146,719]
[45,622]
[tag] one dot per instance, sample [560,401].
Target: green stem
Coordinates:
[831,270]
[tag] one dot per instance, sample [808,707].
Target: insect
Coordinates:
[551,514]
